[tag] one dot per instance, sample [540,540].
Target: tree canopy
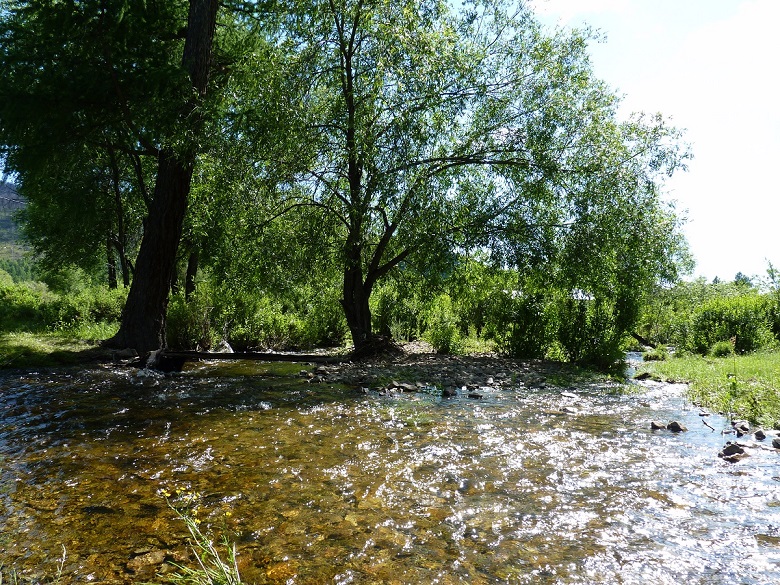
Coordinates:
[332,139]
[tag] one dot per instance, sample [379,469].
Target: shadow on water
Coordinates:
[321,484]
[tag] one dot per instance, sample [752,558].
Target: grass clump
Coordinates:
[722,349]
[212,569]
[658,354]
[747,386]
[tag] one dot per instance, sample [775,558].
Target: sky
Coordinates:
[713,68]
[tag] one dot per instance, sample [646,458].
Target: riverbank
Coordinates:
[418,368]
[748,386]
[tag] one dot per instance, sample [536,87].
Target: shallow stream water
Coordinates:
[321,484]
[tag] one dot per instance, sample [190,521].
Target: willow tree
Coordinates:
[432,129]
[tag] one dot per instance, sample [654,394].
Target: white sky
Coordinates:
[713,67]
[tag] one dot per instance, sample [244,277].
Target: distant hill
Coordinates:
[11,245]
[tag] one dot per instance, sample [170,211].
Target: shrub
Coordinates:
[6,280]
[441,325]
[744,318]
[188,323]
[522,325]
[588,332]
[397,311]
[658,354]
[21,307]
[722,349]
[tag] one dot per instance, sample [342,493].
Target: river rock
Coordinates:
[776,442]
[146,563]
[657,425]
[742,427]
[449,392]
[676,427]
[732,452]
[760,435]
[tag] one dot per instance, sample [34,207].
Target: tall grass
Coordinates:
[748,386]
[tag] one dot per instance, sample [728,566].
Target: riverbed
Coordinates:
[323,483]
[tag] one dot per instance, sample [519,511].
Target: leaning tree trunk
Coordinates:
[143,318]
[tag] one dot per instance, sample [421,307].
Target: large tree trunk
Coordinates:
[356,309]
[143,318]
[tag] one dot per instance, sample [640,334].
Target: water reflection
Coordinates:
[319,484]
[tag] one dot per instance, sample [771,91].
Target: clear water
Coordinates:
[320,484]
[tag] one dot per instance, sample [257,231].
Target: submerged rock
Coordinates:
[145,564]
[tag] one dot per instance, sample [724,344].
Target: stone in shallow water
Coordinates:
[776,442]
[676,427]
[657,425]
[760,435]
[732,452]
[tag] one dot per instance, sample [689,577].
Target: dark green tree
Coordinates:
[122,76]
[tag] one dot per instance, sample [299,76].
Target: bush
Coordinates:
[658,354]
[588,332]
[441,325]
[6,280]
[396,311]
[32,307]
[522,326]
[743,318]
[250,320]
[21,307]
[722,349]
[188,323]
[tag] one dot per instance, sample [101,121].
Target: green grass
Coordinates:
[32,350]
[746,385]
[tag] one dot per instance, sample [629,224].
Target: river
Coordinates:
[326,484]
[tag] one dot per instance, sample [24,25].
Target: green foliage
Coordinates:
[590,333]
[397,308]
[20,307]
[667,311]
[32,307]
[6,280]
[254,320]
[748,386]
[722,349]
[441,325]
[657,354]
[20,269]
[743,318]
[188,324]
[522,325]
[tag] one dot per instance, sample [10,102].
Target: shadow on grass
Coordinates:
[33,350]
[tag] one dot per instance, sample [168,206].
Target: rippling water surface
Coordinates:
[317,484]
